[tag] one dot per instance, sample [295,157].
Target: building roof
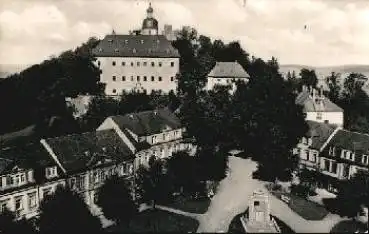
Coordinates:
[25,157]
[79,151]
[354,141]
[319,132]
[135,46]
[147,123]
[228,70]
[310,105]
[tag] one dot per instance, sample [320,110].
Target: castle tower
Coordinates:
[150,25]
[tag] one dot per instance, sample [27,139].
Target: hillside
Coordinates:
[8,69]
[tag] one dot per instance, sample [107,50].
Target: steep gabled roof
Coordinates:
[79,151]
[135,46]
[353,141]
[26,156]
[228,70]
[319,132]
[304,99]
[147,123]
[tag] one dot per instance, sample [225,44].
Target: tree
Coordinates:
[308,77]
[152,184]
[352,86]
[260,112]
[334,87]
[66,212]
[115,200]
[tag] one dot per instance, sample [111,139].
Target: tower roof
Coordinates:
[150,9]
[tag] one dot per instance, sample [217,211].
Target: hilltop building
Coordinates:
[319,108]
[141,61]
[226,73]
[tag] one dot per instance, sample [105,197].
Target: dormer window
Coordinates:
[126,41]
[110,40]
[365,159]
[332,151]
[51,172]
[142,41]
[116,50]
[158,41]
[134,50]
[100,49]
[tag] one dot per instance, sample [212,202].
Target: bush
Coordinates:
[300,190]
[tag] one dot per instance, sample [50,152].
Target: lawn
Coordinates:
[236,225]
[348,226]
[306,209]
[197,206]
[158,221]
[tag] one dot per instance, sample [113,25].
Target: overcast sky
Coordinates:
[337,31]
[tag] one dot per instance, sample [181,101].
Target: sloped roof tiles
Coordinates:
[228,70]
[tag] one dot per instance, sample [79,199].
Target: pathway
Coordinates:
[233,195]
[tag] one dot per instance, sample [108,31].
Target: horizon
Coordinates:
[262,27]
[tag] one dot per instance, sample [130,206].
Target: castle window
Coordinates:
[152,64]
[123,78]
[256,203]
[138,78]
[171,78]
[152,78]
[131,64]
[113,63]
[114,90]
[114,78]
[131,78]
[160,78]
[145,78]
[123,63]
[138,64]
[160,64]
[144,63]
[172,64]
[365,159]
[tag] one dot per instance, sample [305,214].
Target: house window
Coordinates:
[310,141]
[3,205]
[123,63]
[365,159]
[154,139]
[123,78]
[152,64]
[131,64]
[113,63]
[145,64]
[312,156]
[160,64]
[145,78]
[138,64]
[22,178]
[98,63]
[160,78]
[81,182]
[152,78]
[138,78]
[172,64]
[72,183]
[171,78]
[32,200]
[18,204]
[9,180]
[319,115]
[326,165]
[332,151]
[114,90]
[334,167]
[96,177]
[114,78]
[164,135]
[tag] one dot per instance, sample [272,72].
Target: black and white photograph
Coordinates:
[184,116]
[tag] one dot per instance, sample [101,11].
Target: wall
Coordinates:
[166,71]
[223,81]
[332,117]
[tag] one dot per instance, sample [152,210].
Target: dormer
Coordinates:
[51,172]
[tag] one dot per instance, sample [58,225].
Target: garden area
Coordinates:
[188,204]
[157,221]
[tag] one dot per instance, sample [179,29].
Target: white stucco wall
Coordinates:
[223,81]
[126,76]
[331,117]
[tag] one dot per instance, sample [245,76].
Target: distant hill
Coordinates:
[323,72]
[8,69]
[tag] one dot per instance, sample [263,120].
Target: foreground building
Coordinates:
[226,74]
[334,153]
[319,108]
[143,61]
[84,161]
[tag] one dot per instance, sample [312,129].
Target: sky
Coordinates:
[336,32]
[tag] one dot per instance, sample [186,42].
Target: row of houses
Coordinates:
[336,153]
[119,146]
